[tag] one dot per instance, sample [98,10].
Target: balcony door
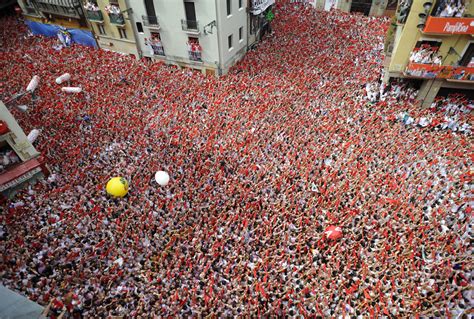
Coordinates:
[190,15]
[468,57]
[150,11]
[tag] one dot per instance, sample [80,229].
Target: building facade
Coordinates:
[112,24]
[208,36]
[432,42]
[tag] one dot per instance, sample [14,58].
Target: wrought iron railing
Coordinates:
[94,15]
[190,25]
[117,18]
[151,21]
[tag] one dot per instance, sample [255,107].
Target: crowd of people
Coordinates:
[261,160]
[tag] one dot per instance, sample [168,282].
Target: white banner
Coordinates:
[258,6]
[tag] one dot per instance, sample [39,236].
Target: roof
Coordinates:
[16,306]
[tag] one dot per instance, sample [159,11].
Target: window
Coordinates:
[229,41]
[468,58]
[240,4]
[139,27]
[229,7]
[241,32]
[101,29]
[150,8]
[190,10]
[123,33]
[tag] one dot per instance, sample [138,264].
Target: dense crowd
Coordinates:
[261,162]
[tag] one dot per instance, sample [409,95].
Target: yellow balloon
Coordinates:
[117,186]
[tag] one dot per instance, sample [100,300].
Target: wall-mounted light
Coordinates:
[421,26]
[422,19]
[427,6]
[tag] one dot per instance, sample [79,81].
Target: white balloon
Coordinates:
[162,178]
[22,108]
[33,135]
[63,78]
[33,84]
[69,89]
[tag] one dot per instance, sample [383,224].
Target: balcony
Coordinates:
[117,18]
[151,22]
[95,16]
[157,47]
[190,26]
[431,71]
[195,56]
[438,25]
[259,6]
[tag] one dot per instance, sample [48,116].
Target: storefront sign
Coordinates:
[258,6]
[430,71]
[438,25]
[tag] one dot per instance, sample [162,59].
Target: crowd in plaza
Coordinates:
[299,136]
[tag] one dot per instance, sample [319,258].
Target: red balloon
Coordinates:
[333,232]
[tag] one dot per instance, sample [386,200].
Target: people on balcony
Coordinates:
[450,9]
[426,54]
[90,6]
[112,9]
[194,50]
[155,45]
[405,6]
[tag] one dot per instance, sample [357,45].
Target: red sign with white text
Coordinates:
[439,25]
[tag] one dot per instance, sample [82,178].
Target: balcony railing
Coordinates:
[157,48]
[117,18]
[151,22]
[440,25]
[195,56]
[30,11]
[190,26]
[94,15]
[431,71]
[67,10]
